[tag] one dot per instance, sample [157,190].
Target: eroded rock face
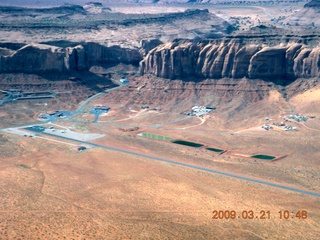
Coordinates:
[33,58]
[148,44]
[76,58]
[313,4]
[114,54]
[232,58]
[268,62]
[36,58]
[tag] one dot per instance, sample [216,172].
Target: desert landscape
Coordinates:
[160,120]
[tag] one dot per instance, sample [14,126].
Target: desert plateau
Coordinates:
[160,119]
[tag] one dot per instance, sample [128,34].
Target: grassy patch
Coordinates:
[155,136]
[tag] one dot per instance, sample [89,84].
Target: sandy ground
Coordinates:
[49,190]
[100,194]
[243,16]
[52,191]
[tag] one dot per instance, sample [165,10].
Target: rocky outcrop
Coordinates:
[232,58]
[37,58]
[98,53]
[269,62]
[147,44]
[76,58]
[34,58]
[313,4]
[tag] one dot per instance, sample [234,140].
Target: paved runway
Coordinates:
[194,167]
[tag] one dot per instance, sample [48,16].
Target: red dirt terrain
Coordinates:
[99,194]
[49,190]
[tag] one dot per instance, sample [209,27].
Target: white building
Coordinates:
[124,81]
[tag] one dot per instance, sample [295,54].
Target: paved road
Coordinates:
[6,99]
[169,123]
[86,102]
[193,166]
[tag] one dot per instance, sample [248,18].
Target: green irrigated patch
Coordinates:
[264,157]
[186,143]
[215,149]
[155,136]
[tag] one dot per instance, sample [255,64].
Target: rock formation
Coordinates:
[36,58]
[232,58]
[98,53]
[76,58]
[313,4]
[147,44]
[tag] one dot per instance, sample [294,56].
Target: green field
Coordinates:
[264,157]
[155,136]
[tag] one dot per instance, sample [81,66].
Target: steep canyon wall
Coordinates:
[37,58]
[232,58]
[178,59]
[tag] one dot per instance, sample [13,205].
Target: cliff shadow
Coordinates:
[282,82]
[88,79]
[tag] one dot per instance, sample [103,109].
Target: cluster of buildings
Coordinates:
[289,128]
[283,124]
[200,111]
[266,127]
[298,118]
[18,94]
[52,114]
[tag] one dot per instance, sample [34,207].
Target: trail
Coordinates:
[203,120]
[140,113]
[313,129]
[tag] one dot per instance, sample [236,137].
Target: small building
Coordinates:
[81,148]
[124,81]
[36,128]
[101,108]
[52,113]
[200,110]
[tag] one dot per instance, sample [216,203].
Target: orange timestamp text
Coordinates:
[260,214]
